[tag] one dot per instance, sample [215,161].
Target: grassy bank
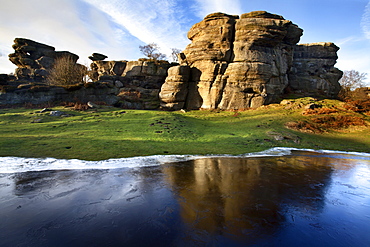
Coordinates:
[114,133]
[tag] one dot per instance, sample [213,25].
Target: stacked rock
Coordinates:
[33,59]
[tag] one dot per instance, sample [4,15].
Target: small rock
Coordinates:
[57,113]
[92,105]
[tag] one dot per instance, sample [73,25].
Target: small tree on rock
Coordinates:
[152,52]
[66,71]
[175,54]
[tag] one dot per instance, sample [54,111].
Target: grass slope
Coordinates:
[115,133]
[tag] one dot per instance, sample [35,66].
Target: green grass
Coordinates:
[110,133]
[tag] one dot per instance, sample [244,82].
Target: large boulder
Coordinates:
[97,57]
[175,90]
[212,39]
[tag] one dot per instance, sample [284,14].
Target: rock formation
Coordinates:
[130,84]
[139,82]
[97,57]
[232,63]
[313,69]
[238,63]
[41,93]
[34,59]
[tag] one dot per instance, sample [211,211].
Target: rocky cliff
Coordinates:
[139,82]
[244,62]
[313,70]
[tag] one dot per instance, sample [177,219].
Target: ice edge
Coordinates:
[16,164]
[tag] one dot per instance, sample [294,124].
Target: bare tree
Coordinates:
[66,71]
[175,54]
[152,52]
[351,80]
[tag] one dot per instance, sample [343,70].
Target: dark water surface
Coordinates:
[301,199]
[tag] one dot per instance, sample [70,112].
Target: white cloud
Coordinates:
[149,21]
[70,25]
[211,6]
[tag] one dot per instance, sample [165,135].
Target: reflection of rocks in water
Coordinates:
[304,199]
[247,197]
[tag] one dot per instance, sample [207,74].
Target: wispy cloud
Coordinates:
[71,25]
[56,23]
[210,6]
[365,21]
[348,40]
[149,21]
[112,27]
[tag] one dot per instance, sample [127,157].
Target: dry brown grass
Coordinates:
[358,105]
[78,106]
[320,111]
[326,123]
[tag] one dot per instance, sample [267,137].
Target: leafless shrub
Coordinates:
[66,72]
[350,81]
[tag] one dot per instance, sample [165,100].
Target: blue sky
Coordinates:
[117,28]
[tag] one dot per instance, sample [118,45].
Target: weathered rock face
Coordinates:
[237,63]
[313,69]
[139,82]
[129,69]
[40,93]
[263,56]
[174,92]
[34,59]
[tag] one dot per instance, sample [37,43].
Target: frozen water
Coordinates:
[280,197]
[15,164]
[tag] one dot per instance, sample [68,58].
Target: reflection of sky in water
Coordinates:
[302,199]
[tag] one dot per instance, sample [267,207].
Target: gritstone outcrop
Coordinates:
[139,82]
[33,59]
[244,62]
